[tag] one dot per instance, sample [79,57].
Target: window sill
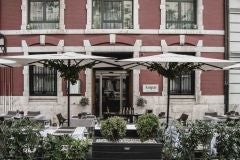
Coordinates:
[41,99]
[109,31]
[43,31]
[190,31]
[182,96]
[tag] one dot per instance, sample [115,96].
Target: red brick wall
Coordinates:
[75,14]
[149,14]
[149,18]
[148,77]
[213,14]
[212,82]
[11,17]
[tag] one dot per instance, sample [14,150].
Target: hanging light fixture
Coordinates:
[3,43]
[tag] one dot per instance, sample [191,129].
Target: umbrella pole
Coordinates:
[68,97]
[168,100]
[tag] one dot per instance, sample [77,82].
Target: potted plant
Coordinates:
[84,101]
[147,127]
[141,102]
[113,129]
[117,145]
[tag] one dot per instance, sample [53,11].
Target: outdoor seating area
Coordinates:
[31,115]
[215,117]
[85,127]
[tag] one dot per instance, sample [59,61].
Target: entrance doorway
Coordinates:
[112,91]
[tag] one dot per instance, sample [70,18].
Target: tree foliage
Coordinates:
[68,72]
[173,69]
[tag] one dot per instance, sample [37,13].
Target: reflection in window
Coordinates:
[112,14]
[181,14]
[43,14]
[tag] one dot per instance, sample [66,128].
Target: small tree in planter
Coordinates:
[114,128]
[84,101]
[141,102]
[147,127]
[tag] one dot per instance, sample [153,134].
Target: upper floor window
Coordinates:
[112,14]
[181,14]
[43,14]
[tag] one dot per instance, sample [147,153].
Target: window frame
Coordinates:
[179,21]
[193,80]
[122,14]
[44,14]
[31,81]
[199,25]
[180,91]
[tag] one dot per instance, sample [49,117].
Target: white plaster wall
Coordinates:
[234,43]
[49,108]
[189,106]
[156,103]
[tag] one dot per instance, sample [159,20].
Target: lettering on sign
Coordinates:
[150,88]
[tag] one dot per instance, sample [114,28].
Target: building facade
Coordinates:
[119,29]
[234,53]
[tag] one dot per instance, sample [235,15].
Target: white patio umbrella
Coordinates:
[235,66]
[69,59]
[6,63]
[169,65]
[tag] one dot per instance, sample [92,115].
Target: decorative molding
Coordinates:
[89,48]
[163,14]
[197,49]
[28,49]
[89,14]
[112,38]
[113,31]
[136,72]
[182,39]
[136,14]
[42,39]
[88,73]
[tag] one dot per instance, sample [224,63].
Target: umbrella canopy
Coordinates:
[78,58]
[69,62]
[6,63]
[235,66]
[165,59]
[172,65]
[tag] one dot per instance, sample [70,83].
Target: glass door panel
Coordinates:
[111,93]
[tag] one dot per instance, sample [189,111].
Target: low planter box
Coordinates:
[119,151]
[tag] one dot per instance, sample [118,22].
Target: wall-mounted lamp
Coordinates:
[3,43]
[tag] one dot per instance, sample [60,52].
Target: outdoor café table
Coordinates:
[76,133]
[215,118]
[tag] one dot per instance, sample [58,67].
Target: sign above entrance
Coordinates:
[150,88]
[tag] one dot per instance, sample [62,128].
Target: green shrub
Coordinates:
[228,140]
[64,147]
[21,139]
[114,128]
[147,127]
